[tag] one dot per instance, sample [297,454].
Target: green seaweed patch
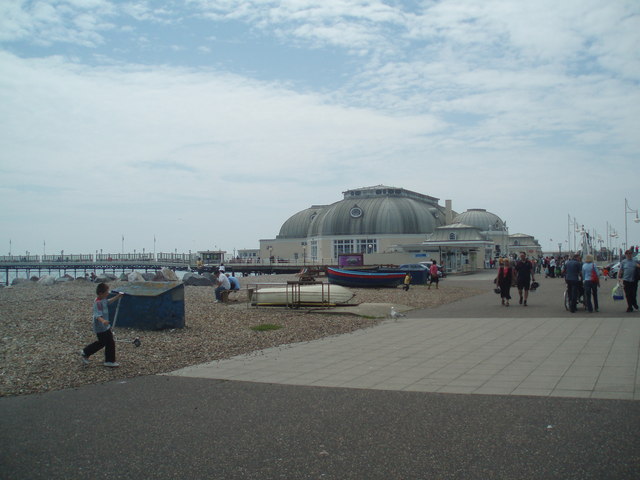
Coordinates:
[264,327]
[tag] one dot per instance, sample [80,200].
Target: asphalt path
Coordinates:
[169,427]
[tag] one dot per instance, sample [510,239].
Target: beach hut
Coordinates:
[149,305]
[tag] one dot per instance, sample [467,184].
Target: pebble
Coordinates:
[42,328]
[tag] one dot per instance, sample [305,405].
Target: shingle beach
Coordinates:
[42,329]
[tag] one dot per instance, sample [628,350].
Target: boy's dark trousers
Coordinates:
[105,340]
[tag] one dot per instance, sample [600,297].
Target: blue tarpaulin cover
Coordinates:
[149,305]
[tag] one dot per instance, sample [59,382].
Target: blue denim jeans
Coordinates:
[591,289]
[218,292]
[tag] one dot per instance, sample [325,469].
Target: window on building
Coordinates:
[453,236]
[358,245]
[341,247]
[366,245]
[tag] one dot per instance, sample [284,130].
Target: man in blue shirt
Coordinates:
[628,276]
[235,283]
[573,278]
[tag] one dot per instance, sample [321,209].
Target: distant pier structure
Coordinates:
[79,265]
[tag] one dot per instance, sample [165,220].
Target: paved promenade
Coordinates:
[475,346]
[510,402]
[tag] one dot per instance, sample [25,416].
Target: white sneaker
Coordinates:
[84,358]
[111,364]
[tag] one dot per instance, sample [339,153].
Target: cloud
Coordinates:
[127,134]
[492,104]
[46,23]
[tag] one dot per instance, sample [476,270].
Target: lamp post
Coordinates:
[575,229]
[506,244]
[304,253]
[600,241]
[628,210]
[614,235]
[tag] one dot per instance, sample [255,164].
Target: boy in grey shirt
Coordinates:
[102,328]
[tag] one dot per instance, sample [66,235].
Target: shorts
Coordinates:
[434,279]
[524,284]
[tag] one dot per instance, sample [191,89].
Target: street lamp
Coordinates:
[614,235]
[628,210]
[577,228]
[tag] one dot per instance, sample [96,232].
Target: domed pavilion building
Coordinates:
[367,220]
[389,225]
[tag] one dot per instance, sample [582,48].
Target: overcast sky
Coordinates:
[208,123]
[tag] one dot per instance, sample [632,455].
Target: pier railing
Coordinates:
[186,259]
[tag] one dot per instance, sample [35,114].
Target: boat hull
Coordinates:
[317,294]
[353,278]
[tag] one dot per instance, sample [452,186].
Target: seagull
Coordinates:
[395,314]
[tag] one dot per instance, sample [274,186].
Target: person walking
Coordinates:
[102,328]
[572,277]
[591,281]
[504,280]
[552,267]
[525,275]
[434,275]
[628,277]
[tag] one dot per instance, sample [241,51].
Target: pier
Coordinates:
[80,265]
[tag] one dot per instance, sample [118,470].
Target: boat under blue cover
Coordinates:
[354,278]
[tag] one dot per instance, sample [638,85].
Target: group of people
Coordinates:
[522,274]
[224,281]
[582,279]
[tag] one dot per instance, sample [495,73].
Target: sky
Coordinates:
[205,124]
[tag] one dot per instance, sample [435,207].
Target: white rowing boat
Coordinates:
[315,294]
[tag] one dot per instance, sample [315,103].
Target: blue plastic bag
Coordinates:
[617,293]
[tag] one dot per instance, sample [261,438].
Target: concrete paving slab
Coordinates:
[473,346]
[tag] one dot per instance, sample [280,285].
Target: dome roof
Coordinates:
[480,218]
[375,210]
[298,225]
